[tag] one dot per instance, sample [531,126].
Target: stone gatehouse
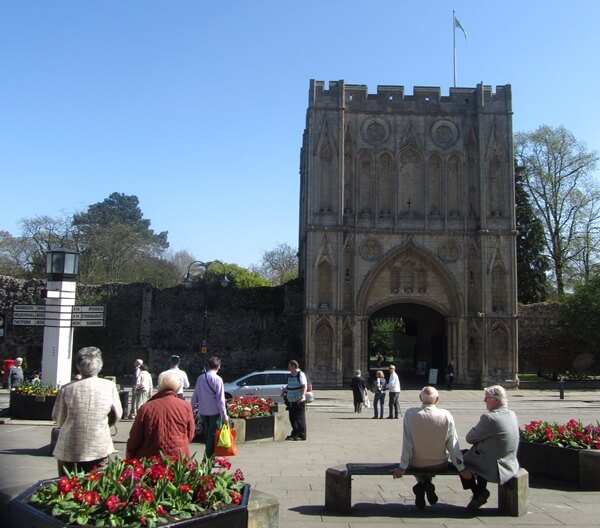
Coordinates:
[407,209]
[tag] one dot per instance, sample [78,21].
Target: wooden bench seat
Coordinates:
[513,496]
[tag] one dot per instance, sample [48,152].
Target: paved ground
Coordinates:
[294,472]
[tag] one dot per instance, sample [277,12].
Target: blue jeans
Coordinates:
[378,400]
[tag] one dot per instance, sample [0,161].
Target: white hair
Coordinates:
[497,391]
[429,394]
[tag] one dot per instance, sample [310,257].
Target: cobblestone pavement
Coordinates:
[294,472]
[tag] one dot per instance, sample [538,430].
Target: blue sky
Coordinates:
[198,107]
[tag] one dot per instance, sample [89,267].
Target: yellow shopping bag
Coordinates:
[224,436]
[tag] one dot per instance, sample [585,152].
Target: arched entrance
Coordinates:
[416,349]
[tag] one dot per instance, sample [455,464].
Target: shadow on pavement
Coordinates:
[40,451]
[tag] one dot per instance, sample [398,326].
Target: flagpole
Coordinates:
[454,43]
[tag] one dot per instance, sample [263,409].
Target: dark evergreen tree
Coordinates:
[532,264]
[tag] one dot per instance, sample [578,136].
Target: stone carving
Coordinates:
[375,131]
[444,133]
[370,249]
[450,251]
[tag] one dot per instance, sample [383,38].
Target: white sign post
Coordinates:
[57,356]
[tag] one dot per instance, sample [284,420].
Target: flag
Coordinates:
[457,24]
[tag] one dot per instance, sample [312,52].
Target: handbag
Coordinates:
[221,450]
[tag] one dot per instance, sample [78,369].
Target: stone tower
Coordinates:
[407,209]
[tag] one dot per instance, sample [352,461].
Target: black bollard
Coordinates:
[561,388]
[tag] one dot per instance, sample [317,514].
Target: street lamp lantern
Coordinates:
[187,281]
[62,264]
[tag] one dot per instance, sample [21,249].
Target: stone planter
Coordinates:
[26,407]
[260,428]
[23,514]
[578,467]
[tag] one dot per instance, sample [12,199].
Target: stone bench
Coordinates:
[513,497]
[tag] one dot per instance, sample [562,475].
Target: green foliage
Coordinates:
[556,170]
[279,265]
[385,334]
[581,313]
[532,264]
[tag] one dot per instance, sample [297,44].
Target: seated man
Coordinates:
[429,437]
[495,439]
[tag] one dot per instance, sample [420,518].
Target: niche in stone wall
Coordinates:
[347,352]
[410,181]
[472,175]
[496,186]
[454,186]
[386,169]
[326,174]
[348,173]
[474,279]
[499,350]
[434,177]
[366,184]
[324,346]
[499,285]
[474,349]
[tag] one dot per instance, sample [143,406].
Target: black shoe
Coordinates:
[375,417]
[432,498]
[300,439]
[419,491]
[290,437]
[381,417]
[390,417]
[478,500]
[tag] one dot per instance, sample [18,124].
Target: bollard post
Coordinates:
[561,388]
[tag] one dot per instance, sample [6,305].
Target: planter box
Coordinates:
[25,407]
[578,467]
[23,514]
[260,428]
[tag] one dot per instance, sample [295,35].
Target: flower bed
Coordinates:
[32,401]
[256,419]
[149,492]
[564,452]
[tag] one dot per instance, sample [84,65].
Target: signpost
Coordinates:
[58,316]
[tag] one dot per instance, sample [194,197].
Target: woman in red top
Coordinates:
[164,423]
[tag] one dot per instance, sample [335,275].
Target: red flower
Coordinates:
[91,497]
[238,475]
[185,488]
[236,497]
[64,485]
[160,510]
[112,502]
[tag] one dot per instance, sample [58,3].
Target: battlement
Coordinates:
[394,99]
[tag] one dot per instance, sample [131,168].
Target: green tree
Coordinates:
[116,242]
[557,171]
[532,264]
[279,265]
[15,256]
[383,337]
[581,313]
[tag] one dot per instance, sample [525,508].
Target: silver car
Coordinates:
[266,383]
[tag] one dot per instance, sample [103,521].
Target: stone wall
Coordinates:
[248,328]
[545,345]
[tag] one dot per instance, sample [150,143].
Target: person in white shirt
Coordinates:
[135,381]
[429,437]
[143,389]
[185,382]
[393,387]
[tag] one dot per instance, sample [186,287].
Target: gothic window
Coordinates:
[324,347]
[499,350]
[366,183]
[327,177]
[434,176]
[473,179]
[496,194]
[454,166]
[385,185]
[499,289]
[325,285]
[410,182]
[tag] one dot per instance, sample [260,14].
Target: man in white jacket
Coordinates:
[429,438]
[393,388]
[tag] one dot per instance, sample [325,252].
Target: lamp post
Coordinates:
[62,266]
[187,281]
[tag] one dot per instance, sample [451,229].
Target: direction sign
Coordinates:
[88,309]
[88,322]
[28,322]
[57,316]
